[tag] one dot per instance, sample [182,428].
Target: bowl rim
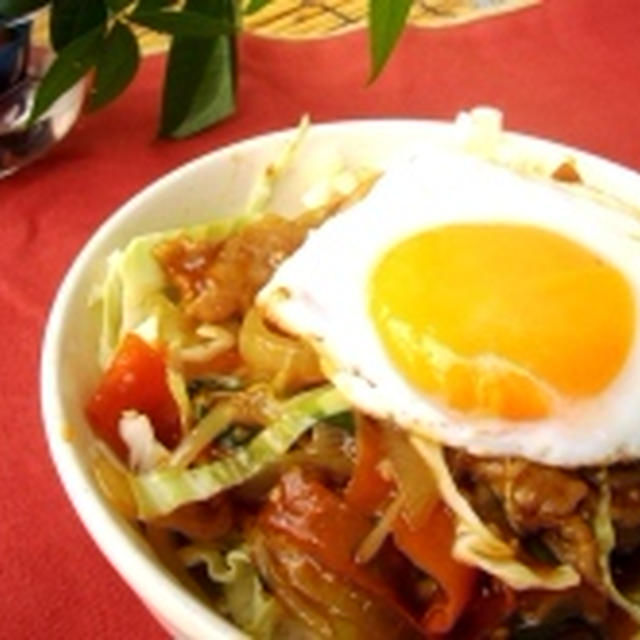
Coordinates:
[95,514]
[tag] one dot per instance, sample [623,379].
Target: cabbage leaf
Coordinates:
[133,298]
[243,598]
[263,188]
[606,537]
[475,544]
[162,490]
[133,290]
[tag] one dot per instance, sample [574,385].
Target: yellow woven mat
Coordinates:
[318,18]
[313,18]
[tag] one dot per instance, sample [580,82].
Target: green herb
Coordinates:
[538,550]
[345,420]
[199,84]
[236,436]
[215,382]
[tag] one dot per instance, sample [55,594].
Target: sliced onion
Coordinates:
[290,364]
[370,546]
[113,479]
[210,427]
[415,481]
[215,341]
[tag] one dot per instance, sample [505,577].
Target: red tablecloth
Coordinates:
[567,70]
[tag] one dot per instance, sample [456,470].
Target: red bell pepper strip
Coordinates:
[493,606]
[136,380]
[428,546]
[321,523]
[368,490]
[325,528]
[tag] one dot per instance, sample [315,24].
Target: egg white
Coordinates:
[320,294]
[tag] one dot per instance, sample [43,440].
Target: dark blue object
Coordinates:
[14,53]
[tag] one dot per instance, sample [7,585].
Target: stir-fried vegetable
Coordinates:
[429,546]
[243,598]
[605,533]
[478,546]
[136,379]
[287,363]
[309,539]
[368,488]
[133,290]
[295,513]
[163,490]
[422,527]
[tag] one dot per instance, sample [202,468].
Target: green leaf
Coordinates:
[190,24]
[118,5]
[17,8]
[146,5]
[199,87]
[71,64]
[387,19]
[116,66]
[255,5]
[73,18]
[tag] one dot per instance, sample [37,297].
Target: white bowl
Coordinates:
[216,184]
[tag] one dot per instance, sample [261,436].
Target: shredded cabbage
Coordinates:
[214,423]
[108,296]
[177,386]
[161,491]
[133,290]
[415,481]
[133,299]
[263,188]
[132,295]
[606,537]
[480,130]
[243,598]
[477,545]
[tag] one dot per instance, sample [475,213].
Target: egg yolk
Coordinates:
[500,319]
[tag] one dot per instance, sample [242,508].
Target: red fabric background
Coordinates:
[568,70]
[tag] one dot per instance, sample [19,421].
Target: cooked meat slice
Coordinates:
[536,500]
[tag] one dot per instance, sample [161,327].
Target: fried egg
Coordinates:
[479,307]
